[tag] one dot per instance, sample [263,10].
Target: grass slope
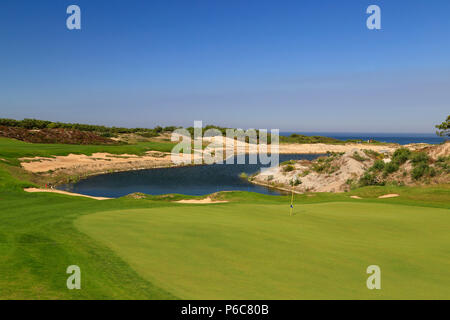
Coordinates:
[253,251]
[38,242]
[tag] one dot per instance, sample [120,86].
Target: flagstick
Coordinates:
[292,200]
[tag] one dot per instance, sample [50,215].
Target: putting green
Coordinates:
[255,251]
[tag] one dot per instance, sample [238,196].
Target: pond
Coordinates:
[190,180]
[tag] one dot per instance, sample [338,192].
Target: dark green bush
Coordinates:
[419,157]
[432,172]
[106,135]
[420,170]
[368,179]
[390,167]
[401,155]
[378,165]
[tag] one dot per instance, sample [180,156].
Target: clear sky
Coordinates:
[293,65]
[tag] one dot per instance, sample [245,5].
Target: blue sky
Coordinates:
[293,65]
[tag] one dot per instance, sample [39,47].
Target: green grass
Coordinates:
[11,150]
[38,242]
[153,248]
[254,251]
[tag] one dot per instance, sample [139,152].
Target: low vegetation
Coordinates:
[341,172]
[325,164]
[64,136]
[34,124]
[421,163]
[288,168]
[443,163]
[300,138]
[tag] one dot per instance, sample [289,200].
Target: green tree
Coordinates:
[444,128]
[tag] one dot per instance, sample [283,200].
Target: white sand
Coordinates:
[64,192]
[391,195]
[201,201]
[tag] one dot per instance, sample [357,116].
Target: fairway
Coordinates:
[253,251]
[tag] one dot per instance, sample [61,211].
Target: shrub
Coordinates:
[401,155]
[368,179]
[444,163]
[419,171]
[352,183]
[107,135]
[390,167]
[378,165]
[431,172]
[319,168]
[288,168]
[419,157]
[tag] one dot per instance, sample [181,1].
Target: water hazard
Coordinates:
[191,180]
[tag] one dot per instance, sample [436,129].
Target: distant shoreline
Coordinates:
[400,138]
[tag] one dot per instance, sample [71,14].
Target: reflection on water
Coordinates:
[192,180]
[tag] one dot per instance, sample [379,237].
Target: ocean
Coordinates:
[400,138]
